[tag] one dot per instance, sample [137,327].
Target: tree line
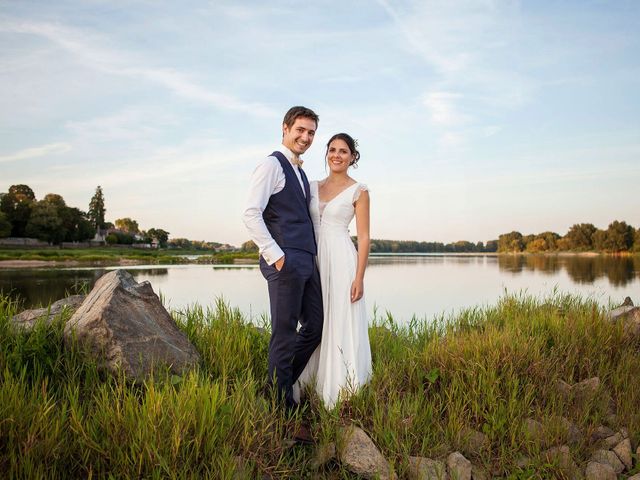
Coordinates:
[618,237]
[51,220]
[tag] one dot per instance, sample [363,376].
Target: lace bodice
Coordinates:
[338,212]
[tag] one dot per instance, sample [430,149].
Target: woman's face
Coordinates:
[339,157]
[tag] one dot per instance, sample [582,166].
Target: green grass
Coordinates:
[111,255]
[486,368]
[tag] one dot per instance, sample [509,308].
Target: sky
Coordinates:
[474,118]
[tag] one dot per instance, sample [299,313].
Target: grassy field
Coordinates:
[114,255]
[487,369]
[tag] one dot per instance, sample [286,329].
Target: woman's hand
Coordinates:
[357,290]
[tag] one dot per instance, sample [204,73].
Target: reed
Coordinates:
[484,368]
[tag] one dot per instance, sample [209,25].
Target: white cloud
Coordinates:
[33,152]
[443,109]
[107,60]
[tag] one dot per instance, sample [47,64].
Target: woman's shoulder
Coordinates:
[359,188]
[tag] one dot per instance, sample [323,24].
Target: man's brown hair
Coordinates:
[296,112]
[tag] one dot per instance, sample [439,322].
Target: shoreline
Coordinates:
[242,260]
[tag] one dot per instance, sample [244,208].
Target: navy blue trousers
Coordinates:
[295,297]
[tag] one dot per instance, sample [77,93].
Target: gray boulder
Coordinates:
[27,319]
[599,471]
[421,468]
[628,315]
[359,454]
[123,325]
[459,467]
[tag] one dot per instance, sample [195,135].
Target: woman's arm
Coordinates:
[362,227]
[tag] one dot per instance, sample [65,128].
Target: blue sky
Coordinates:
[474,118]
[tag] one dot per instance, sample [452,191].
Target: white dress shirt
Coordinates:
[267,179]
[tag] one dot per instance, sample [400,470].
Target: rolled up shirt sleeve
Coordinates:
[265,181]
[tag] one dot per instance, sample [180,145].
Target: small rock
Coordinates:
[624,453]
[571,430]
[459,467]
[613,440]
[360,455]
[586,389]
[599,471]
[323,455]
[635,477]
[421,468]
[607,457]
[601,433]
[534,431]
[561,457]
[630,318]
[523,461]
[27,319]
[473,442]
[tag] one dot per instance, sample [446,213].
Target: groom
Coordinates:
[277,218]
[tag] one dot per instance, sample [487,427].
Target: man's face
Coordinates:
[299,137]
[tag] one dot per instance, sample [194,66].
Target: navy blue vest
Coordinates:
[287,212]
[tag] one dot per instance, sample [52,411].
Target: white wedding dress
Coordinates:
[342,362]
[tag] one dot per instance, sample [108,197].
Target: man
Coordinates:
[277,218]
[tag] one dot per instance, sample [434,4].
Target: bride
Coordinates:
[342,362]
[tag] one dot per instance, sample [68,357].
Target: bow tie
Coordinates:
[297,161]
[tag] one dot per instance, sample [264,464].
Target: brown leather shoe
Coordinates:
[302,435]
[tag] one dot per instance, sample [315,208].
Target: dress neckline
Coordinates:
[335,196]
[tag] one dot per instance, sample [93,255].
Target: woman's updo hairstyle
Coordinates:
[351,143]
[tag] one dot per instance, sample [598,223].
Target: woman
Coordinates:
[342,362]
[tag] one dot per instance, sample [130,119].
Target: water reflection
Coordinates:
[423,285]
[619,271]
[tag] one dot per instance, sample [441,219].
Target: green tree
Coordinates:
[249,246]
[619,237]
[598,240]
[17,205]
[510,242]
[161,235]
[636,241]
[45,223]
[5,225]
[77,226]
[97,209]
[491,246]
[580,237]
[127,225]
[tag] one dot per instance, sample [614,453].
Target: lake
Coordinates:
[423,286]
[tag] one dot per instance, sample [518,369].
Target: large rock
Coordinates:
[359,454]
[123,325]
[628,315]
[27,319]
[421,468]
[599,471]
[459,466]
[570,430]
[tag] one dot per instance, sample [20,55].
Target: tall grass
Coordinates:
[487,369]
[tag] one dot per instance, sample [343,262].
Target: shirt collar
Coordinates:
[286,152]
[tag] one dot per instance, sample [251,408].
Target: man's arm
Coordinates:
[264,181]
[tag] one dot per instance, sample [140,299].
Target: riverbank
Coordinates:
[55,257]
[489,370]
